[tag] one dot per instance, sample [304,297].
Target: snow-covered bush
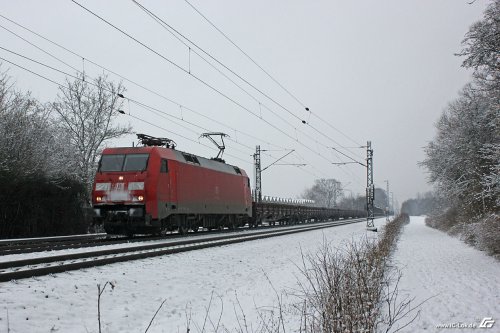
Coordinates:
[488,235]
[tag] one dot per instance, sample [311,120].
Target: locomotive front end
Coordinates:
[120,193]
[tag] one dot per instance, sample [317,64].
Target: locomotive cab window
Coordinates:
[121,162]
[164,166]
[135,162]
[111,163]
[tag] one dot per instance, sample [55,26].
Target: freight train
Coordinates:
[154,188]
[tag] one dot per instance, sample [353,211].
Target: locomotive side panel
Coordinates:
[189,189]
[206,191]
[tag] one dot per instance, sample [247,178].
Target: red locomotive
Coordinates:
[156,188]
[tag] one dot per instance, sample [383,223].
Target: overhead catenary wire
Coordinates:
[49,54]
[150,108]
[196,77]
[99,66]
[137,118]
[187,72]
[162,23]
[108,70]
[267,73]
[158,19]
[39,48]
[176,32]
[173,31]
[131,100]
[91,83]
[78,55]
[245,53]
[124,78]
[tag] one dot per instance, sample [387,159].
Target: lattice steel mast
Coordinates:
[258,175]
[387,204]
[370,188]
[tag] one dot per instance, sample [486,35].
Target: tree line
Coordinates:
[463,160]
[49,152]
[329,192]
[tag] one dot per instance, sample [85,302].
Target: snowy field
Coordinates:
[237,275]
[462,284]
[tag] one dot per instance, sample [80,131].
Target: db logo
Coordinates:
[487,322]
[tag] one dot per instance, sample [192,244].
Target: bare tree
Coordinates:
[86,111]
[324,192]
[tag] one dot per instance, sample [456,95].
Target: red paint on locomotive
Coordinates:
[152,189]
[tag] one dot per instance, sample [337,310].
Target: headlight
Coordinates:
[135,186]
[102,186]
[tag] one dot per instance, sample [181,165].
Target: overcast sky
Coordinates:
[379,71]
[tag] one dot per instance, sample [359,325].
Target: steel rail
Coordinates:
[6,242]
[68,244]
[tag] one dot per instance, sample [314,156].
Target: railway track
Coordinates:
[25,268]
[32,245]
[61,243]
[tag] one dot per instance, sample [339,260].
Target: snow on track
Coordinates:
[67,302]
[463,284]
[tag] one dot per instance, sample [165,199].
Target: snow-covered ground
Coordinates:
[462,284]
[237,275]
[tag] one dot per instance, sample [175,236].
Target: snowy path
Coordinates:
[67,302]
[463,282]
